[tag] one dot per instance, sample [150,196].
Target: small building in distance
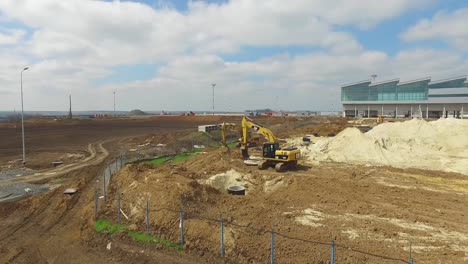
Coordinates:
[418,98]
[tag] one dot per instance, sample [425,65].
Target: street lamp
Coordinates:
[22,116]
[213,85]
[114,103]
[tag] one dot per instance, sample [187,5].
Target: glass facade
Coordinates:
[355,92]
[387,91]
[415,91]
[453,83]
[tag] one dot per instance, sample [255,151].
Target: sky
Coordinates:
[166,54]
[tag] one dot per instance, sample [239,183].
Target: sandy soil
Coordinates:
[378,210]
[372,209]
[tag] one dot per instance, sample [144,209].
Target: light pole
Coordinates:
[22,117]
[213,85]
[114,103]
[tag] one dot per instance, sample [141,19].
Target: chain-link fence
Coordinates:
[183,220]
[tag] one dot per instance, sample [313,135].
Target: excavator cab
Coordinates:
[269,149]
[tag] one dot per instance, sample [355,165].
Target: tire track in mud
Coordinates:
[95,157]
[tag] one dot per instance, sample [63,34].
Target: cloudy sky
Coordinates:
[166,54]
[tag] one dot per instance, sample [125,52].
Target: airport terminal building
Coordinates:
[418,98]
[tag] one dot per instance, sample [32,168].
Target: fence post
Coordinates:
[104,185]
[147,215]
[333,252]
[272,247]
[95,204]
[181,226]
[222,237]
[410,254]
[118,208]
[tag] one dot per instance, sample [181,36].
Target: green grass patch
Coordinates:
[232,144]
[159,161]
[175,159]
[141,237]
[104,226]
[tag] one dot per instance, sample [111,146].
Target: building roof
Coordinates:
[385,82]
[427,79]
[449,83]
[357,83]
[449,79]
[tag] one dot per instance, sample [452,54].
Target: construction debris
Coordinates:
[70,191]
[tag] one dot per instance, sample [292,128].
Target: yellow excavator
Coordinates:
[272,154]
[380,119]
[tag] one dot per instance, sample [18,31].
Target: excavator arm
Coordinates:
[224,128]
[249,123]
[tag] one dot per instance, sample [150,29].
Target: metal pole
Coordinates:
[333,252]
[411,253]
[213,85]
[95,204]
[181,226]
[114,103]
[118,205]
[222,237]
[22,117]
[272,247]
[104,185]
[147,215]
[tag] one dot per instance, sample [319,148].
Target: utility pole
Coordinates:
[22,117]
[213,85]
[114,103]
[70,116]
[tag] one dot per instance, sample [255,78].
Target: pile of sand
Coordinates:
[437,145]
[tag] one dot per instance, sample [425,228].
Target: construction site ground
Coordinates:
[376,210]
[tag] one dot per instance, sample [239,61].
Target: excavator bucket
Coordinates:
[245,153]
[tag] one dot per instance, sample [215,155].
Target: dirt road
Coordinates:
[95,157]
[56,228]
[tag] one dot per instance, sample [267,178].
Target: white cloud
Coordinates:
[308,81]
[11,36]
[449,26]
[75,42]
[118,32]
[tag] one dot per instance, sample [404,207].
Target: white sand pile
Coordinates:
[437,145]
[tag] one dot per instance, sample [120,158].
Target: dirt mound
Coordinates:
[223,181]
[437,145]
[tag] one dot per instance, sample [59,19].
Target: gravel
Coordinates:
[18,190]
[8,174]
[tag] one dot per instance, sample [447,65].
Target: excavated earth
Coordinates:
[377,211]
